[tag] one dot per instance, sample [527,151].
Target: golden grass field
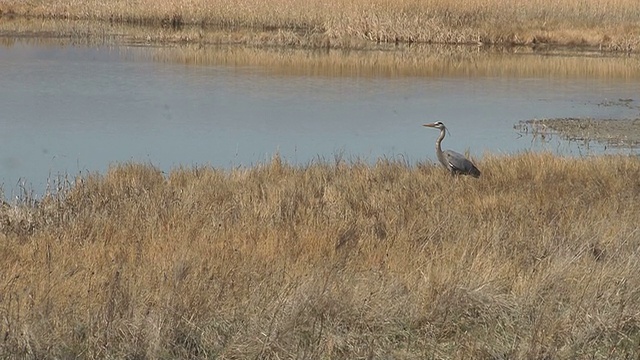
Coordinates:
[605,24]
[537,259]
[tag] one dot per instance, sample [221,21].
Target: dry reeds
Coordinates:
[536,259]
[610,24]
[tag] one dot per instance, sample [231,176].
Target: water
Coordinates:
[70,110]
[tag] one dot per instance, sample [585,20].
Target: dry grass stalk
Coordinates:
[536,259]
[611,24]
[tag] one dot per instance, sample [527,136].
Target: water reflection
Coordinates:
[411,61]
[69,109]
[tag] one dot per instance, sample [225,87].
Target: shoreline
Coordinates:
[338,25]
[363,59]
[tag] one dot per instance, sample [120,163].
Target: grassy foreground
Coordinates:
[608,24]
[537,259]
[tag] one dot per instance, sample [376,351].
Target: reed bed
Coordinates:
[610,24]
[536,259]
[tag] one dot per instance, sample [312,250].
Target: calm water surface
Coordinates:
[66,110]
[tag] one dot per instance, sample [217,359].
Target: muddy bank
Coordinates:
[610,132]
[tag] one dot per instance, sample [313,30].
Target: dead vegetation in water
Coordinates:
[536,259]
[608,24]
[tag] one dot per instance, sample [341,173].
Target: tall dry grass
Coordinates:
[536,259]
[612,24]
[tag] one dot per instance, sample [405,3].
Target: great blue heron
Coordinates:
[455,162]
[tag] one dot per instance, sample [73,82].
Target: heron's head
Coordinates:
[438,125]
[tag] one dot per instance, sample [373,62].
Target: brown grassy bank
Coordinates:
[609,24]
[538,259]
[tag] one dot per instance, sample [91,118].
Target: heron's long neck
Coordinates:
[442,133]
[439,148]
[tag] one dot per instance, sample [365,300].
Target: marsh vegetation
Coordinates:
[619,133]
[607,24]
[536,259]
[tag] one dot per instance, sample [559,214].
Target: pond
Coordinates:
[70,109]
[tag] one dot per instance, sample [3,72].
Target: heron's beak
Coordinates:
[429,125]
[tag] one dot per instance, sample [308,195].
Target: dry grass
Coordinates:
[537,259]
[610,24]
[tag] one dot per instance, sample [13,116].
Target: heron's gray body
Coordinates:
[453,161]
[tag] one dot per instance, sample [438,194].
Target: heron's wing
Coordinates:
[459,163]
